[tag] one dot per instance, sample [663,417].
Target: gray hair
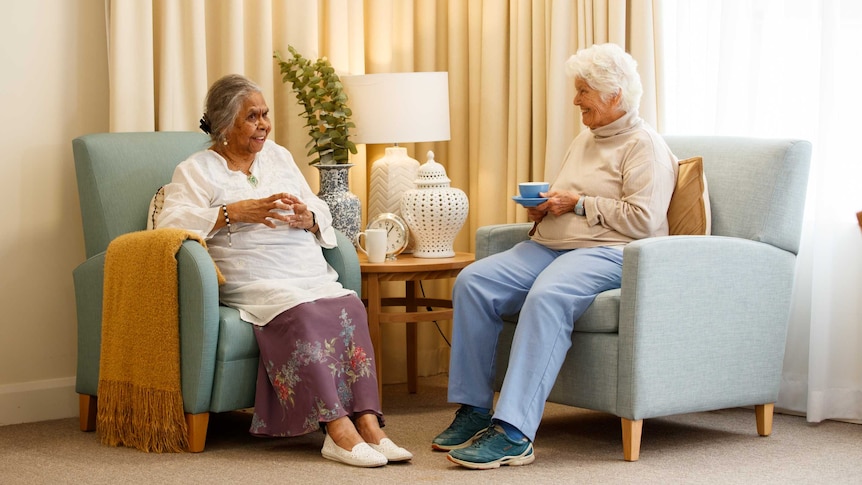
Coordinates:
[608,69]
[223,102]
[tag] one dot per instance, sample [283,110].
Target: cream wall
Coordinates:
[54,87]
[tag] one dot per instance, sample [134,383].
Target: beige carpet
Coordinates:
[573,446]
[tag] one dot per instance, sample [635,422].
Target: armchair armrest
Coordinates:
[703,321]
[500,237]
[88,278]
[199,324]
[344,260]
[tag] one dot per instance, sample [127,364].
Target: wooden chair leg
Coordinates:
[197,424]
[87,406]
[632,438]
[763,413]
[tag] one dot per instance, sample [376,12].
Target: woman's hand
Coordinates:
[302,218]
[558,203]
[267,210]
[536,214]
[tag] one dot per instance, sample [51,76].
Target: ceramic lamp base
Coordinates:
[391,176]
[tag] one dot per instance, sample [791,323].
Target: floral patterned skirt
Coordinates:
[316,365]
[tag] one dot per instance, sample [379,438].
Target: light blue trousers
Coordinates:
[550,289]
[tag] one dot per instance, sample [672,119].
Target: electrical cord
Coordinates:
[436,324]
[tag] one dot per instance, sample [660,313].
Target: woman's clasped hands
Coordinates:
[277,207]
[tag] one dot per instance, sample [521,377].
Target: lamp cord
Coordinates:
[436,324]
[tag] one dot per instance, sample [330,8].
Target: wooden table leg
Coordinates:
[374,309]
[412,357]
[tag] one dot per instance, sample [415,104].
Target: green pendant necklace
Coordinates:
[252,180]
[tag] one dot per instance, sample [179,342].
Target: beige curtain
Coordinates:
[510,102]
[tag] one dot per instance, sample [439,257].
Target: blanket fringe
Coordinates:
[154,422]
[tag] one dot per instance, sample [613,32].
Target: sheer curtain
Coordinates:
[788,69]
[510,101]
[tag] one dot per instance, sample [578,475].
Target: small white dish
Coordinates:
[529,201]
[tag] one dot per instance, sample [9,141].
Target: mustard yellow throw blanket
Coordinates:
[140,402]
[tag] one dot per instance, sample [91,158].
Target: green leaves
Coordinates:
[320,92]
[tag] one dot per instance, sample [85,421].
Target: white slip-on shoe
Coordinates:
[361,455]
[391,451]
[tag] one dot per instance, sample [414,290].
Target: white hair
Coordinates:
[608,69]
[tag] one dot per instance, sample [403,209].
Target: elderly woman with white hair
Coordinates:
[613,187]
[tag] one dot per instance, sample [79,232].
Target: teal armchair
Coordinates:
[700,322]
[118,174]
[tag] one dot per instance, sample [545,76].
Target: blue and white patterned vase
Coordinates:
[343,204]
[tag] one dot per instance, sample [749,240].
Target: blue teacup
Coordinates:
[531,190]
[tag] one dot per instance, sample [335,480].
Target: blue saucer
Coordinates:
[529,202]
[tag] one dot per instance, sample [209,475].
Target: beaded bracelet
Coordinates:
[227,222]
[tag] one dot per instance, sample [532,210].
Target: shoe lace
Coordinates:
[490,433]
[461,416]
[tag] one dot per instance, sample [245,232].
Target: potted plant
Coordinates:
[321,94]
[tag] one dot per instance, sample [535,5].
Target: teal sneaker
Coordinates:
[493,449]
[467,425]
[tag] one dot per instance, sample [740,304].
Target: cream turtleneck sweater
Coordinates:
[626,174]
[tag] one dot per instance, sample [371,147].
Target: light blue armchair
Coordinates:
[117,174]
[700,321]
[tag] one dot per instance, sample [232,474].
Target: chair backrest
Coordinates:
[118,174]
[756,186]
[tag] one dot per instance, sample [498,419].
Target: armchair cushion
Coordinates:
[601,317]
[156,204]
[689,212]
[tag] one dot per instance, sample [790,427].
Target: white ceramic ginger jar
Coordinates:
[434,211]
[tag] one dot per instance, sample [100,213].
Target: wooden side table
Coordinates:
[409,269]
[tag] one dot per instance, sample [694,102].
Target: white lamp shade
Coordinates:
[407,107]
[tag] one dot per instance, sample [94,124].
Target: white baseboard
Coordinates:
[28,402]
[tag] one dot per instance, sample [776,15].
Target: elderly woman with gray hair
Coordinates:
[614,186]
[264,228]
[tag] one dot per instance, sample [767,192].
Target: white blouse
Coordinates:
[267,270]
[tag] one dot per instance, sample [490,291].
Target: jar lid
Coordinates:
[432,174]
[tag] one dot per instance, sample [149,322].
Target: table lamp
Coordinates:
[395,108]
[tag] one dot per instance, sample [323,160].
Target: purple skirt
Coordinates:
[316,365]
